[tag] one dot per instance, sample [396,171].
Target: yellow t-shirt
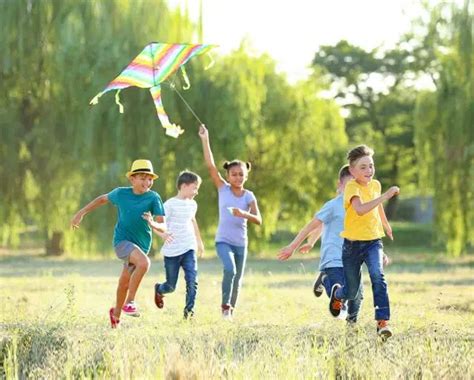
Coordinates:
[365,227]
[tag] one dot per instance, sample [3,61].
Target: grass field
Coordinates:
[54,323]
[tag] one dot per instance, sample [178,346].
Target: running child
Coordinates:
[329,221]
[364,226]
[180,252]
[237,205]
[132,234]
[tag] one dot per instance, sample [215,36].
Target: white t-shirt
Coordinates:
[179,214]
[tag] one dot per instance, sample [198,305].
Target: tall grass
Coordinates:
[54,325]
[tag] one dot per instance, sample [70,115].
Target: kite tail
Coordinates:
[95,99]
[117,101]
[187,84]
[211,62]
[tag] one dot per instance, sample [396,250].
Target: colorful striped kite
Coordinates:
[152,66]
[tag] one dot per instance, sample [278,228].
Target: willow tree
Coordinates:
[445,130]
[56,152]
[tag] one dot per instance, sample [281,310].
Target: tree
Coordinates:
[445,133]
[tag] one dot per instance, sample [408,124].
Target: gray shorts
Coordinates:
[123,251]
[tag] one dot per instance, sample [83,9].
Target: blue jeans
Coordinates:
[354,254]
[233,259]
[189,264]
[336,276]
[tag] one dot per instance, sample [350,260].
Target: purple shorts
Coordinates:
[123,251]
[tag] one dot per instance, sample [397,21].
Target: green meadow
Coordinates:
[54,323]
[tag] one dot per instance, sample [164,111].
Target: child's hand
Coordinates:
[203,132]
[386,260]
[305,248]
[388,231]
[394,190]
[166,236]
[75,221]
[201,249]
[147,216]
[285,253]
[238,212]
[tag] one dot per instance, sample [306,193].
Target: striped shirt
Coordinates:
[179,215]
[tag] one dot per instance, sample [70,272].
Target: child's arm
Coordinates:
[252,216]
[385,223]
[209,157]
[97,202]
[200,243]
[363,208]
[312,239]
[287,251]
[157,225]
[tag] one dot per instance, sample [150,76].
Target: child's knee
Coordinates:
[143,263]
[230,271]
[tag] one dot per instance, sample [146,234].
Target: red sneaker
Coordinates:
[159,302]
[335,304]
[114,322]
[383,329]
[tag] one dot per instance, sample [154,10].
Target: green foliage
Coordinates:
[445,135]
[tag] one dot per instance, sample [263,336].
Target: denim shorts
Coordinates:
[123,251]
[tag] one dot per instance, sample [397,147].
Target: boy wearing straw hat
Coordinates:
[132,234]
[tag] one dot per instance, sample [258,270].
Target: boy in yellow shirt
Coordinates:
[364,226]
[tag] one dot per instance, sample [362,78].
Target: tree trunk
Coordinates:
[55,245]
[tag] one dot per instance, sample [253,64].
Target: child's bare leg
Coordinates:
[122,290]
[142,264]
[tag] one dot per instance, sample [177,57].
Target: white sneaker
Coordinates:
[343,313]
[227,315]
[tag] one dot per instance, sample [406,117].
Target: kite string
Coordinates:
[173,87]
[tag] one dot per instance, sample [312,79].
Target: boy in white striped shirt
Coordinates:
[180,250]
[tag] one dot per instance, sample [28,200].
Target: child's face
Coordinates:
[237,175]
[190,190]
[363,170]
[141,182]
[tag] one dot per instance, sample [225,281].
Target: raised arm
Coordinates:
[97,202]
[286,252]
[209,157]
[363,208]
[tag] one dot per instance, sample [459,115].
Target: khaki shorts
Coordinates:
[123,251]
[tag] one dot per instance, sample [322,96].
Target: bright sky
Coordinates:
[291,31]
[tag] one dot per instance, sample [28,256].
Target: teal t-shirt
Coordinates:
[130,224]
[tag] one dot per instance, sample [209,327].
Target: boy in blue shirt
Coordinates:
[330,221]
[132,234]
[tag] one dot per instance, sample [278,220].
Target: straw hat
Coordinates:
[142,166]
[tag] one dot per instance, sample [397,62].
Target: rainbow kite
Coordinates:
[152,66]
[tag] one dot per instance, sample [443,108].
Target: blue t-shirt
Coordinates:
[233,229]
[332,215]
[130,224]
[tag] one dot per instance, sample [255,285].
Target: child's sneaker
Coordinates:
[335,304]
[383,329]
[318,287]
[159,302]
[188,314]
[343,312]
[227,313]
[131,309]
[114,322]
